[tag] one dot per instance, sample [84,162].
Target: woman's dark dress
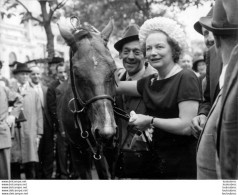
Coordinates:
[161,97]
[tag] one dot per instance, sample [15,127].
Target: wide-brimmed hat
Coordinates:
[21,67]
[198,27]
[219,23]
[130,34]
[196,61]
[56,60]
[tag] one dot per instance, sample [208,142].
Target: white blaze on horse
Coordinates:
[85,102]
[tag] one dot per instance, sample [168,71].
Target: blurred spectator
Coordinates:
[53,66]
[7,121]
[26,139]
[3,80]
[200,66]
[61,144]
[197,52]
[46,155]
[12,80]
[186,61]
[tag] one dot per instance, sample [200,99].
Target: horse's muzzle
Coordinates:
[105,133]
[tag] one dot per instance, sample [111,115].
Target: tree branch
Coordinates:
[138,5]
[36,19]
[59,5]
[29,13]
[19,2]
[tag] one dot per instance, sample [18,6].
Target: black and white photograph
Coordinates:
[118,96]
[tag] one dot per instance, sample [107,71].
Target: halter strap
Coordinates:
[79,111]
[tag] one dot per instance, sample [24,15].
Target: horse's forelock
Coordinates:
[95,40]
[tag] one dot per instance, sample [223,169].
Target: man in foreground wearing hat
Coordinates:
[217,156]
[26,139]
[135,68]
[7,122]
[213,71]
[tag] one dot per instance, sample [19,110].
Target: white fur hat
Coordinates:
[167,25]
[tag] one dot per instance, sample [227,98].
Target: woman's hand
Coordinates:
[197,125]
[140,121]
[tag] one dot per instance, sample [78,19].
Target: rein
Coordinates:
[80,108]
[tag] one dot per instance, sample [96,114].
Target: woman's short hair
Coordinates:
[175,34]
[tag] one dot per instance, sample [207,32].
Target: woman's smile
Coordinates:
[154,60]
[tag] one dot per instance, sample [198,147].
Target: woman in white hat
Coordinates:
[171,97]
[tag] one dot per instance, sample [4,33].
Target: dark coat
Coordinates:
[51,103]
[227,134]
[214,67]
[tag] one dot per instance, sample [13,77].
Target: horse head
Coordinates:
[92,69]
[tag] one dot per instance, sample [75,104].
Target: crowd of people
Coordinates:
[183,107]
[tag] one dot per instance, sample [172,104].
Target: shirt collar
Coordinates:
[23,86]
[222,76]
[35,85]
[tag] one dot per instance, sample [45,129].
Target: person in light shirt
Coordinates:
[7,122]
[44,152]
[25,143]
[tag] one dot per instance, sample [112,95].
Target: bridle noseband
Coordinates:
[80,108]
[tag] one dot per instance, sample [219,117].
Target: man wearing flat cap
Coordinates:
[26,139]
[217,156]
[135,68]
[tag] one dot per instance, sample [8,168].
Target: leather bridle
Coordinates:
[80,108]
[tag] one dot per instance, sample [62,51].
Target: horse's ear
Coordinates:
[67,34]
[107,31]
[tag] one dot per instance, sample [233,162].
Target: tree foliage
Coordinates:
[98,12]
[48,9]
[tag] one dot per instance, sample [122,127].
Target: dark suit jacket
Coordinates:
[51,103]
[227,134]
[214,67]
